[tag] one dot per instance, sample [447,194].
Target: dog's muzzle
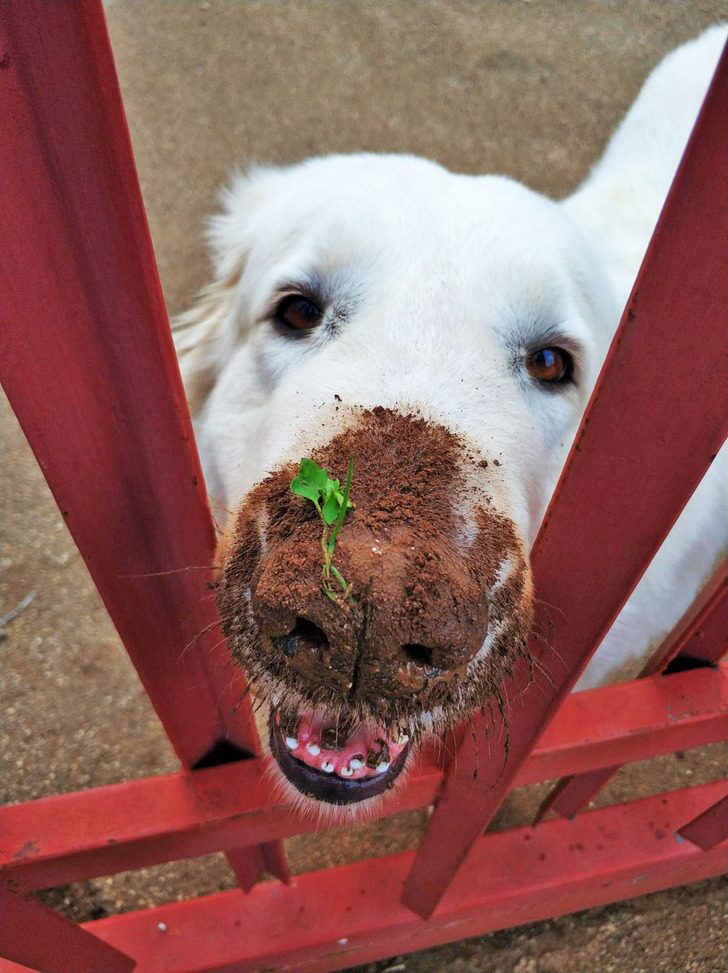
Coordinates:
[353,680]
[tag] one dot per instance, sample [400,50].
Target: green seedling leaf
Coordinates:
[331,488]
[303,488]
[310,471]
[330,510]
[311,482]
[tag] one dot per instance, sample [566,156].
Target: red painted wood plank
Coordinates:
[340,917]
[631,721]
[109,829]
[710,827]
[39,938]
[87,361]
[701,634]
[624,483]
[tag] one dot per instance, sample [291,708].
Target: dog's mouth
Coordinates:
[336,763]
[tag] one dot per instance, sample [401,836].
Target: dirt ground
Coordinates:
[531,89]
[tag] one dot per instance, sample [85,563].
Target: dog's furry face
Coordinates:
[381,307]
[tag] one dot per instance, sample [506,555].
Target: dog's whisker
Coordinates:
[161,574]
[196,638]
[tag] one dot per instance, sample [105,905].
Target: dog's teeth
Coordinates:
[313,748]
[402,739]
[346,771]
[291,743]
[356,763]
[380,768]
[327,766]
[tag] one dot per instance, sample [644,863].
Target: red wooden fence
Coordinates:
[87,361]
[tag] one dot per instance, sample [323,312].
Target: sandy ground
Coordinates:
[529,89]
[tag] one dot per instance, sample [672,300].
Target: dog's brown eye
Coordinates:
[552,365]
[298,313]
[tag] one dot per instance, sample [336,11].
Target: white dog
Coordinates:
[444,331]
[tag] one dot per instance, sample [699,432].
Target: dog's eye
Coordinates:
[552,365]
[298,313]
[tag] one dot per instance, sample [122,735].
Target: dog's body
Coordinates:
[367,296]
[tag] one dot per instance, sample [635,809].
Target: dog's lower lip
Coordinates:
[331,788]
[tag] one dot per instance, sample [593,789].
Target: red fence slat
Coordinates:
[87,361]
[701,634]
[624,482]
[710,827]
[38,937]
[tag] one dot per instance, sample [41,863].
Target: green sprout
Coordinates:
[332,504]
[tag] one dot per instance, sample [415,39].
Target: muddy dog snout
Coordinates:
[438,588]
[415,618]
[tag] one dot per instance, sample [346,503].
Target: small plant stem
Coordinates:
[344,506]
[345,587]
[328,571]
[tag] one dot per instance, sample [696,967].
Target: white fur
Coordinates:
[437,285]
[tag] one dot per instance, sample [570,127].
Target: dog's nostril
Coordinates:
[304,634]
[308,632]
[421,655]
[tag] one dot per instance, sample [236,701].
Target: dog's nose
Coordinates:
[410,619]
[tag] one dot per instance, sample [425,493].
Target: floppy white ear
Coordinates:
[199,336]
[206,334]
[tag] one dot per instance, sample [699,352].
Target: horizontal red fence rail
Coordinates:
[645,442]
[89,367]
[109,829]
[352,914]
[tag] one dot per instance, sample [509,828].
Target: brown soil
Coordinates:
[207,84]
[419,606]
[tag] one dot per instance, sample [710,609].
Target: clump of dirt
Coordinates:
[423,570]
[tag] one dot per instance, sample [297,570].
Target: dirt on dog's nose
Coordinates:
[415,617]
[427,562]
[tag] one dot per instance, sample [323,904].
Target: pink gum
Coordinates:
[310,729]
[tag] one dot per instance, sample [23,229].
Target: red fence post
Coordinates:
[87,361]
[589,555]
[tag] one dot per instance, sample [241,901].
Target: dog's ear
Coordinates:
[205,336]
[199,336]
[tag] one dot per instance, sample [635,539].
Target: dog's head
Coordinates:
[443,331]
